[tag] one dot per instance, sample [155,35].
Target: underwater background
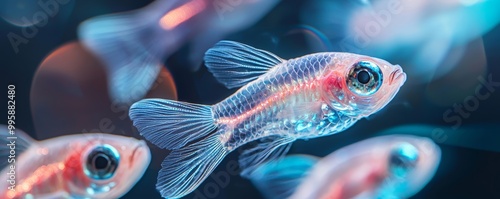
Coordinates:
[70,98]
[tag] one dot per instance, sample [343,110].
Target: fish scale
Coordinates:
[292,75]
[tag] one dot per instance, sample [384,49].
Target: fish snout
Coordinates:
[140,153]
[397,75]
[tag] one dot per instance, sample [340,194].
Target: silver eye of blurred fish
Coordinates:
[364,78]
[102,162]
[403,159]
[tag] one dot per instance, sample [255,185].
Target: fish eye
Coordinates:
[364,78]
[403,159]
[102,162]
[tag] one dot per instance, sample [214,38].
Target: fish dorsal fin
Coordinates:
[235,64]
[280,179]
[18,141]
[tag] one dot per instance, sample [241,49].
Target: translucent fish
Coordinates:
[75,166]
[24,13]
[280,101]
[134,44]
[396,166]
[421,32]
[481,137]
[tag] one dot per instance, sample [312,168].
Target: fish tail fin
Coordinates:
[129,46]
[188,129]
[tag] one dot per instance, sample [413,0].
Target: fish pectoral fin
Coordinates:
[269,148]
[299,109]
[235,64]
[14,139]
[280,178]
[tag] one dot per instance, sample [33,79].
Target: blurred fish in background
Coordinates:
[132,45]
[91,165]
[481,137]
[394,166]
[428,37]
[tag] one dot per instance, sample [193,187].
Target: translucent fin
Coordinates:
[171,124]
[279,179]
[270,148]
[235,64]
[185,169]
[129,48]
[299,109]
[20,140]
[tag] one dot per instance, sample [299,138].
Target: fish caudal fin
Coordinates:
[235,64]
[14,139]
[189,130]
[172,124]
[185,169]
[269,148]
[129,48]
[279,179]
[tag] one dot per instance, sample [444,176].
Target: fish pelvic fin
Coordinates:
[235,64]
[172,124]
[189,130]
[269,148]
[280,178]
[14,139]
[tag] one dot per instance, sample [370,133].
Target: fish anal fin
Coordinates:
[269,148]
[280,178]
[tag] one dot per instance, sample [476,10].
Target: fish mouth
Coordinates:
[140,151]
[397,75]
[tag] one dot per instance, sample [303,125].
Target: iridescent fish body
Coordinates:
[394,166]
[92,165]
[280,101]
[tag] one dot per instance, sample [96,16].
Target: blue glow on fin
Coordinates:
[183,170]
[171,124]
[129,48]
[189,130]
[22,143]
[235,64]
[270,148]
[279,179]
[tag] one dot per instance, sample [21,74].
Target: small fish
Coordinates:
[280,101]
[395,166]
[132,45]
[93,165]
